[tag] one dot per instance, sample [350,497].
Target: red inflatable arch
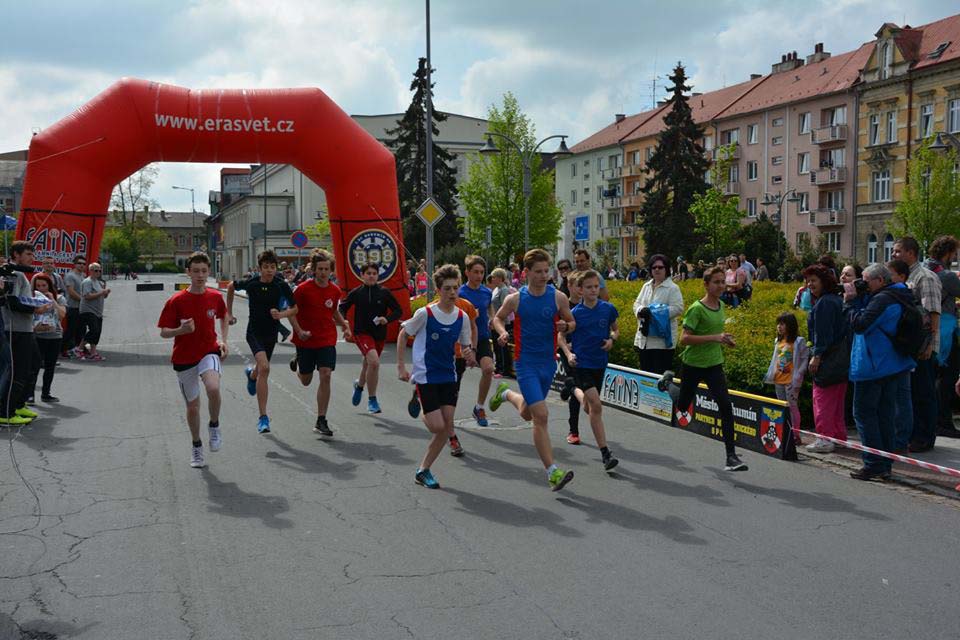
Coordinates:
[74,165]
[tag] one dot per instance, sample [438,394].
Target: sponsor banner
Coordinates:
[760,424]
[62,236]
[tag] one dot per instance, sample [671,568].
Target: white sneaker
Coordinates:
[196,459]
[820,446]
[216,440]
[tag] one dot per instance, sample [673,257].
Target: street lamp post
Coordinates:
[526,159]
[193,208]
[770,199]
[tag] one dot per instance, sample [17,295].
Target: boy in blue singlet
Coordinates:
[435,330]
[537,307]
[588,353]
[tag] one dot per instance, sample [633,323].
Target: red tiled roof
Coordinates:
[934,34]
[611,134]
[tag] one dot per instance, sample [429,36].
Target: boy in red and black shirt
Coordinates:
[188,317]
[315,332]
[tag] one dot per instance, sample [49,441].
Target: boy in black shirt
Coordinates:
[375,308]
[266,295]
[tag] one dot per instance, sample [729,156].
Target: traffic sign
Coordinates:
[430,212]
[299,239]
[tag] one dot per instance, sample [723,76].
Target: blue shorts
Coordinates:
[535,380]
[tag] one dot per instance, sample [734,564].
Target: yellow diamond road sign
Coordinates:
[430,212]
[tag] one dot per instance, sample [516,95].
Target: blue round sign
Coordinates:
[299,239]
[376,246]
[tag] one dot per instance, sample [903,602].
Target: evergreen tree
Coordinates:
[409,148]
[677,173]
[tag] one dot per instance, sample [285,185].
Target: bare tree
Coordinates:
[133,193]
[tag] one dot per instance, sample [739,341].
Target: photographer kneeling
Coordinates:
[876,366]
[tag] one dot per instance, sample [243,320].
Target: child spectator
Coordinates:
[788,365]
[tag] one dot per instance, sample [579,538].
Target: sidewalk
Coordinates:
[946,453]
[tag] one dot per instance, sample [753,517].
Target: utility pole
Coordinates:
[429,150]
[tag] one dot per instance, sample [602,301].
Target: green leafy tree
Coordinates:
[409,147]
[319,232]
[493,194]
[930,204]
[763,239]
[135,240]
[676,174]
[717,215]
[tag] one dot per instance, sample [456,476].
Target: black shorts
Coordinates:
[484,349]
[434,396]
[312,359]
[587,378]
[261,343]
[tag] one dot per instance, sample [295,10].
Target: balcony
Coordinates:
[632,201]
[715,153]
[830,133]
[632,170]
[829,175]
[628,231]
[828,217]
[611,174]
[611,203]
[730,188]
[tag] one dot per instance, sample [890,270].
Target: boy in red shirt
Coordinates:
[188,317]
[315,332]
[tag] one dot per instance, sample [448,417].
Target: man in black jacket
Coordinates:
[374,307]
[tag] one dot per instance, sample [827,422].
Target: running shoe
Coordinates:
[426,479]
[866,474]
[573,438]
[820,446]
[480,416]
[559,479]
[96,357]
[455,449]
[49,398]
[357,393]
[251,382]
[372,405]
[323,428]
[30,401]
[609,462]
[23,412]
[734,463]
[567,390]
[293,365]
[15,421]
[196,458]
[413,407]
[498,398]
[215,438]
[263,426]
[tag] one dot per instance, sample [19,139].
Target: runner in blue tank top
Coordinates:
[481,298]
[435,330]
[537,307]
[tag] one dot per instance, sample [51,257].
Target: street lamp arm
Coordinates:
[537,146]
[508,139]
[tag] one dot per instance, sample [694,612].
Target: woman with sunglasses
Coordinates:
[655,351]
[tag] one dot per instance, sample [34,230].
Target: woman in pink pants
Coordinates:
[830,364]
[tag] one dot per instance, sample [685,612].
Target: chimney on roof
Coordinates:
[818,55]
[619,117]
[754,76]
[697,93]
[788,62]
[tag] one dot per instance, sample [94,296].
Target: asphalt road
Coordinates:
[111,534]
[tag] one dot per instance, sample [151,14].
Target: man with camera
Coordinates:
[18,313]
[877,367]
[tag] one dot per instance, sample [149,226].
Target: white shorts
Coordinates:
[190,378]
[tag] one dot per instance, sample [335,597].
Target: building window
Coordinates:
[776,160]
[886,60]
[953,116]
[730,136]
[833,241]
[751,207]
[837,115]
[926,120]
[776,179]
[707,143]
[891,126]
[777,140]
[573,169]
[872,249]
[586,191]
[888,248]
[881,186]
[636,157]
[733,174]
[874,131]
[753,134]
[832,158]
[632,247]
[181,241]
[805,122]
[833,200]
[752,169]
[599,221]
[650,153]
[804,205]
[778,122]
[573,196]
[803,163]
[803,238]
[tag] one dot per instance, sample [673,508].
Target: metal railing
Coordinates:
[829,133]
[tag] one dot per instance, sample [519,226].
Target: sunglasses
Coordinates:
[658,267]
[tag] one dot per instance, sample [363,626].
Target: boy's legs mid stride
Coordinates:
[207,373]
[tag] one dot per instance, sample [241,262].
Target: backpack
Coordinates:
[913,334]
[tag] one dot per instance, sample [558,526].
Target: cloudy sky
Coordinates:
[572,64]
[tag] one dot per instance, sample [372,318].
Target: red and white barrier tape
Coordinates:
[886,454]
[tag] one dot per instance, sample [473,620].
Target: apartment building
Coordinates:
[909,91]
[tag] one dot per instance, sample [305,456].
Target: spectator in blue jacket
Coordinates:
[876,368]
